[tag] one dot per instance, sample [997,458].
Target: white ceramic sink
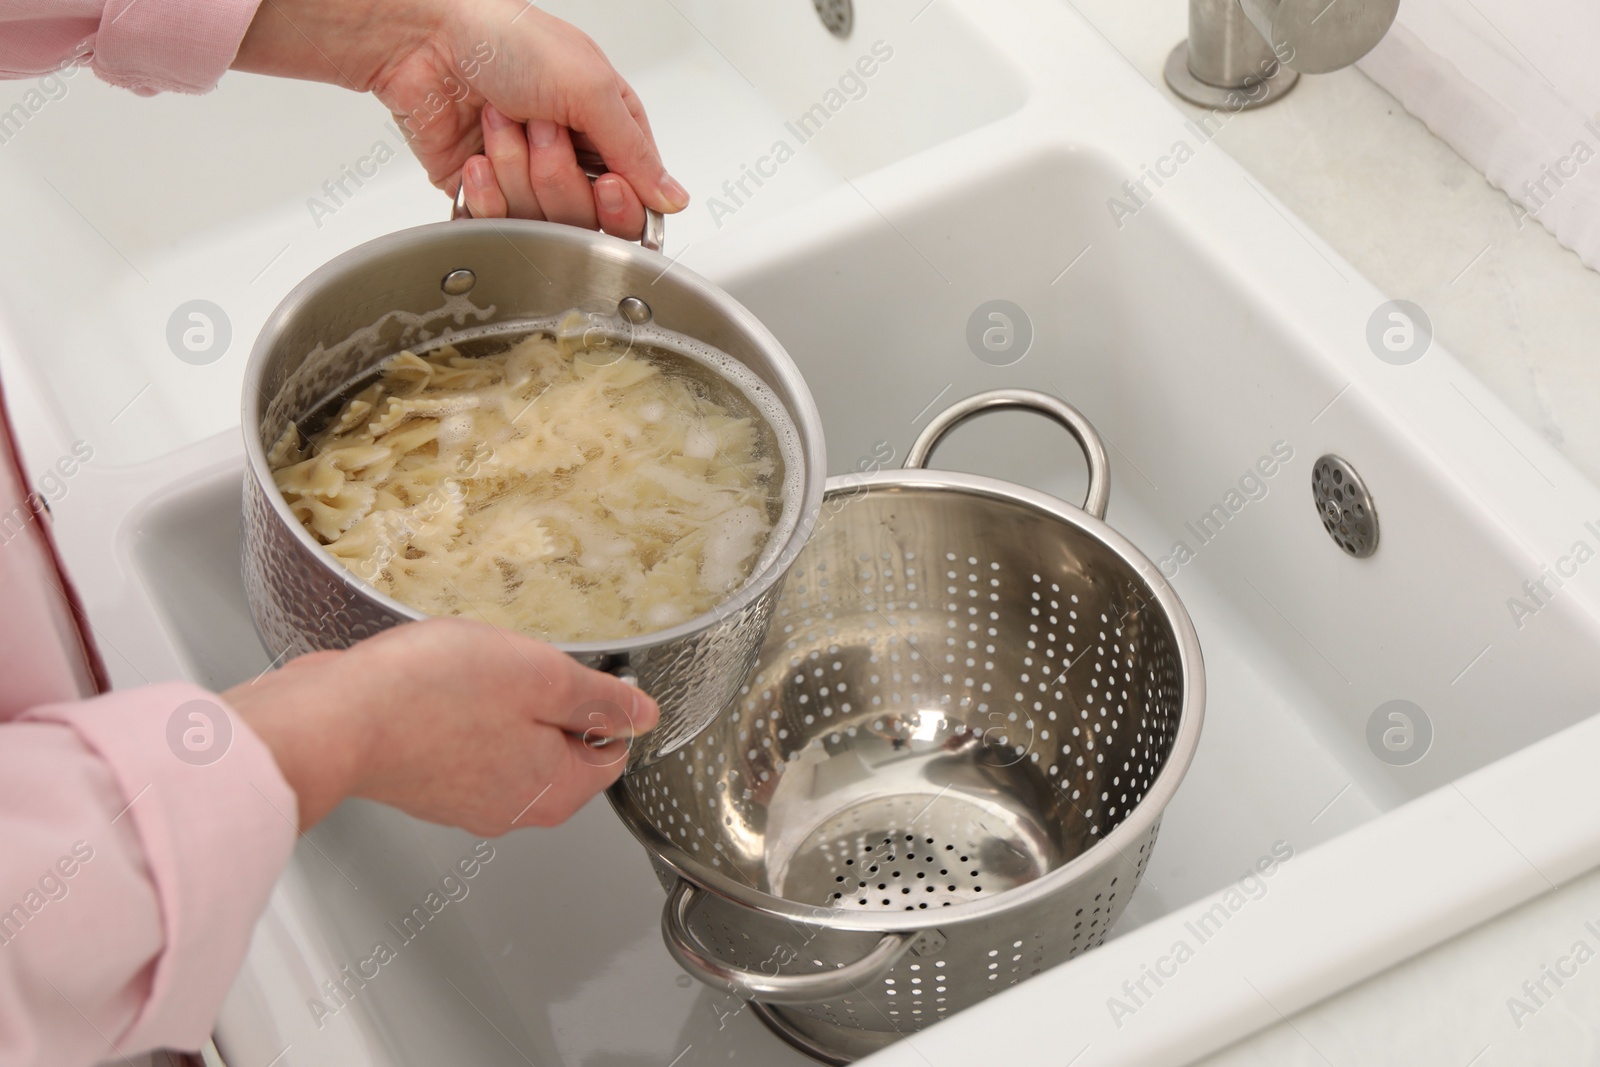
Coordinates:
[1201,334]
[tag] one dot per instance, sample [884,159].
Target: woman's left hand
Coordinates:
[493,92]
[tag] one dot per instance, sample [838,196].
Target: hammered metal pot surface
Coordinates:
[386,296]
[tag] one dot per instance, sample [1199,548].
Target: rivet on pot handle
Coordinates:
[655,225]
[1094,450]
[759,985]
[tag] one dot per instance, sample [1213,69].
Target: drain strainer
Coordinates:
[838,15]
[1345,506]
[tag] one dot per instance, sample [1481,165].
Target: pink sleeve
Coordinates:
[143,832]
[148,46]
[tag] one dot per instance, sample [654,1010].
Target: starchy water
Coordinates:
[577,479]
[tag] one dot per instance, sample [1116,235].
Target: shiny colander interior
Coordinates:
[958,694]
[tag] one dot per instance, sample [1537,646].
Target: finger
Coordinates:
[558,181]
[594,704]
[628,149]
[577,779]
[320,656]
[621,214]
[507,149]
[635,106]
[560,691]
[580,700]
[484,198]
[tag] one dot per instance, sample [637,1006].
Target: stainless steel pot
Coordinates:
[408,289]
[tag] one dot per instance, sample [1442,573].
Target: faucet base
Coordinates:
[1254,93]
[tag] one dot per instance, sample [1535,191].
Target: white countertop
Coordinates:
[1512,304]
[1521,312]
[1453,1005]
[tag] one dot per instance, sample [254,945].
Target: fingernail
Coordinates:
[676,194]
[494,118]
[541,133]
[479,172]
[610,193]
[645,711]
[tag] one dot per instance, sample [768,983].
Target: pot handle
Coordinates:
[655,226]
[693,957]
[1094,450]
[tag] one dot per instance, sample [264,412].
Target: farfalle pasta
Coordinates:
[574,495]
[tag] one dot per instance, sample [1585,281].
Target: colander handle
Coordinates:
[693,957]
[655,224]
[1094,450]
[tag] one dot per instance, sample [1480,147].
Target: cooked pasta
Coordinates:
[574,495]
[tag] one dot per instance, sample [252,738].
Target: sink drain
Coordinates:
[1345,506]
[838,15]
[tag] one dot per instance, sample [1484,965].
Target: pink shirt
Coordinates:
[148,46]
[132,870]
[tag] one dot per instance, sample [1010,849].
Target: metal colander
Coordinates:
[948,768]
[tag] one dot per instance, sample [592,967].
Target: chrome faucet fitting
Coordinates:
[1242,54]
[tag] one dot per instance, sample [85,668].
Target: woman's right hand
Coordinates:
[450,720]
[493,93]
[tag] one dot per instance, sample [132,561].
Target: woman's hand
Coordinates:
[450,720]
[493,91]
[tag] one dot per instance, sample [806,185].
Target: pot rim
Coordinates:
[1144,818]
[790,387]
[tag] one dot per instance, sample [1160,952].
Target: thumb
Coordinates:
[594,705]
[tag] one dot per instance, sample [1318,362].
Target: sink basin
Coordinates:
[1218,346]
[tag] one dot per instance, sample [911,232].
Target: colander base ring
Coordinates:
[791,1028]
